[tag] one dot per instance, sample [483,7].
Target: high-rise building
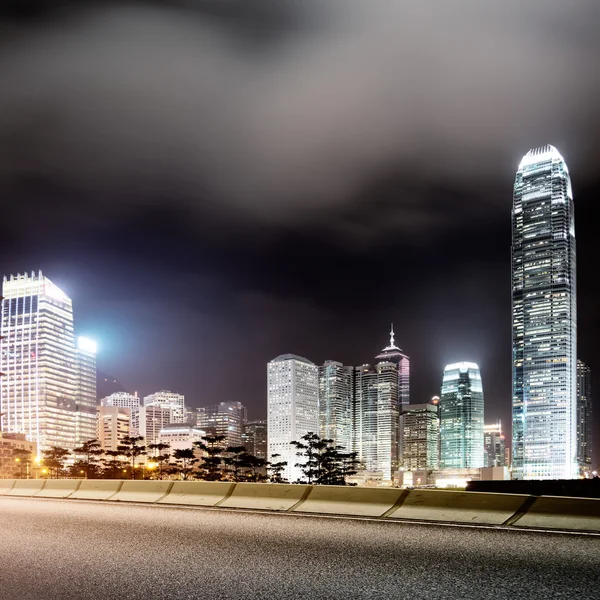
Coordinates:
[170,400]
[86,413]
[122,400]
[494,444]
[147,421]
[48,384]
[336,398]
[254,438]
[292,408]
[226,418]
[377,418]
[420,429]
[114,423]
[544,318]
[395,355]
[181,437]
[584,417]
[461,417]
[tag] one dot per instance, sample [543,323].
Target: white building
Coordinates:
[180,437]
[170,400]
[114,423]
[48,391]
[122,400]
[147,421]
[293,408]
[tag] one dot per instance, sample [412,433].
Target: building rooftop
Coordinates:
[541,154]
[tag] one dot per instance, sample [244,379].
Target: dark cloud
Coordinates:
[278,111]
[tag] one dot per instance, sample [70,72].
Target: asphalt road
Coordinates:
[65,549]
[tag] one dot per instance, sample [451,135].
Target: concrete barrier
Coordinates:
[265,496]
[557,512]
[459,507]
[346,500]
[58,488]
[142,491]
[197,493]
[97,489]
[26,487]
[6,485]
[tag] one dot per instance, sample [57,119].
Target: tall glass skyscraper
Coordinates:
[461,417]
[48,392]
[336,398]
[544,319]
[395,355]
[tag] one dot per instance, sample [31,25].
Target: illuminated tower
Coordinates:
[336,398]
[395,355]
[48,389]
[461,417]
[544,319]
[584,418]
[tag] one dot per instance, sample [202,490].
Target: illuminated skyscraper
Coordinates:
[584,417]
[420,430]
[495,445]
[48,392]
[226,418]
[377,418]
[393,354]
[122,400]
[292,408]
[170,400]
[336,397]
[461,417]
[544,319]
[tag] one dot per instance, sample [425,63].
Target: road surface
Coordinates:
[52,549]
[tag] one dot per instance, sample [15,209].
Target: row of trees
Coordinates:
[209,459]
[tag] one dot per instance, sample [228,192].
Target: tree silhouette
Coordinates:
[91,451]
[160,457]
[132,447]
[275,469]
[211,463]
[54,459]
[184,461]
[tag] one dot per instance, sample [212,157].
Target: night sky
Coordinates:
[218,182]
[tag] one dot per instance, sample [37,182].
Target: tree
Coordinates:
[184,461]
[256,468]
[81,468]
[275,470]
[91,451]
[54,459]
[132,447]
[210,467]
[22,458]
[323,463]
[160,458]
[114,464]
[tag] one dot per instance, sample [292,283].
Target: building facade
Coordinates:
[225,418]
[544,318]
[113,424]
[292,408]
[254,439]
[584,418]
[377,418]
[494,444]
[147,421]
[48,380]
[11,468]
[420,429]
[171,401]
[122,400]
[181,437]
[395,355]
[336,398]
[461,417]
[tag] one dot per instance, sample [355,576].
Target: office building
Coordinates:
[584,418]
[420,429]
[113,424]
[147,421]
[494,444]
[225,418]
[544,319]
[170,400]
[254,438]
[48,380]
[377,418]
[461,417]
[181,437]
[336,398]
[292,408]
[395,355]
[11,468]
[122,400]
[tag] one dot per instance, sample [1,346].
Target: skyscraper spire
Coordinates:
[392,336]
